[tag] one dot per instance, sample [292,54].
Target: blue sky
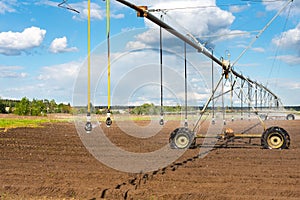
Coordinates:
[43,48]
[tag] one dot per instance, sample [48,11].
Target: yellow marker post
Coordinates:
[88,125]
[108,119]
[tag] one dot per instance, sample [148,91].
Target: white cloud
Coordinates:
[213,19]
[13,43]
[237,9]
[289,59]
[52,82]
[97,12]
[227,34]
[12,72]
[60,73]
[277,5]
[289,39]
[214,24]
[60,45]
[258,49]
[56,81]
[7,6]
[136,45]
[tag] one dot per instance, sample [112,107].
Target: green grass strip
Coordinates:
[17,122]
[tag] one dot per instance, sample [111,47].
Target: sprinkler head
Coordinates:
[88,126]
[186,124]
[108,121]
[161,121]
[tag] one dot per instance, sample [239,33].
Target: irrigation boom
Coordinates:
[143,12]
[181,138]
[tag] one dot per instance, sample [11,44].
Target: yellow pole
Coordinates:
[89,56]
[108,51]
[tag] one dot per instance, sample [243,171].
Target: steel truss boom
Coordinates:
[142,11]
[197,45]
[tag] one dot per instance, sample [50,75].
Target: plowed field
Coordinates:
[51,163]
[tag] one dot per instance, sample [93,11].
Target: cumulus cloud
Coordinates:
[213,18]
[289,39]
[62,73]
[14,43]
[56,81]
[212,21]
[60,45]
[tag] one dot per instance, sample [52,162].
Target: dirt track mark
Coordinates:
[143,178]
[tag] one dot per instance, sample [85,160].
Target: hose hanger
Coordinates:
[108,119]
[88,125]
[185,87]
[161,121]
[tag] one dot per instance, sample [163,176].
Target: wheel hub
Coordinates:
[275,140]
[182,141]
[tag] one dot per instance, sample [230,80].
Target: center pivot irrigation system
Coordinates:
[257,98]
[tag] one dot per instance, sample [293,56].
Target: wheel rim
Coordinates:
[182,141]
[275,140]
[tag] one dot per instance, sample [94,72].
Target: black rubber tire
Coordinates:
[290,117]
[181,138]
[275,138]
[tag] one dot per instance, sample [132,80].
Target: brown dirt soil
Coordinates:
[52,163]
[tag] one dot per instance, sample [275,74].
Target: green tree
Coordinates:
[2,107]
[145,109]
[23,107]
[52,106]
[37,108]
[46,103]
[62,108]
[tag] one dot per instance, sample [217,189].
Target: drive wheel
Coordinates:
[181,138]
[290,117]
[275,138]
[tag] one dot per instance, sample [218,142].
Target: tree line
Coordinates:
[34,108]
[151,109]
[43,107]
